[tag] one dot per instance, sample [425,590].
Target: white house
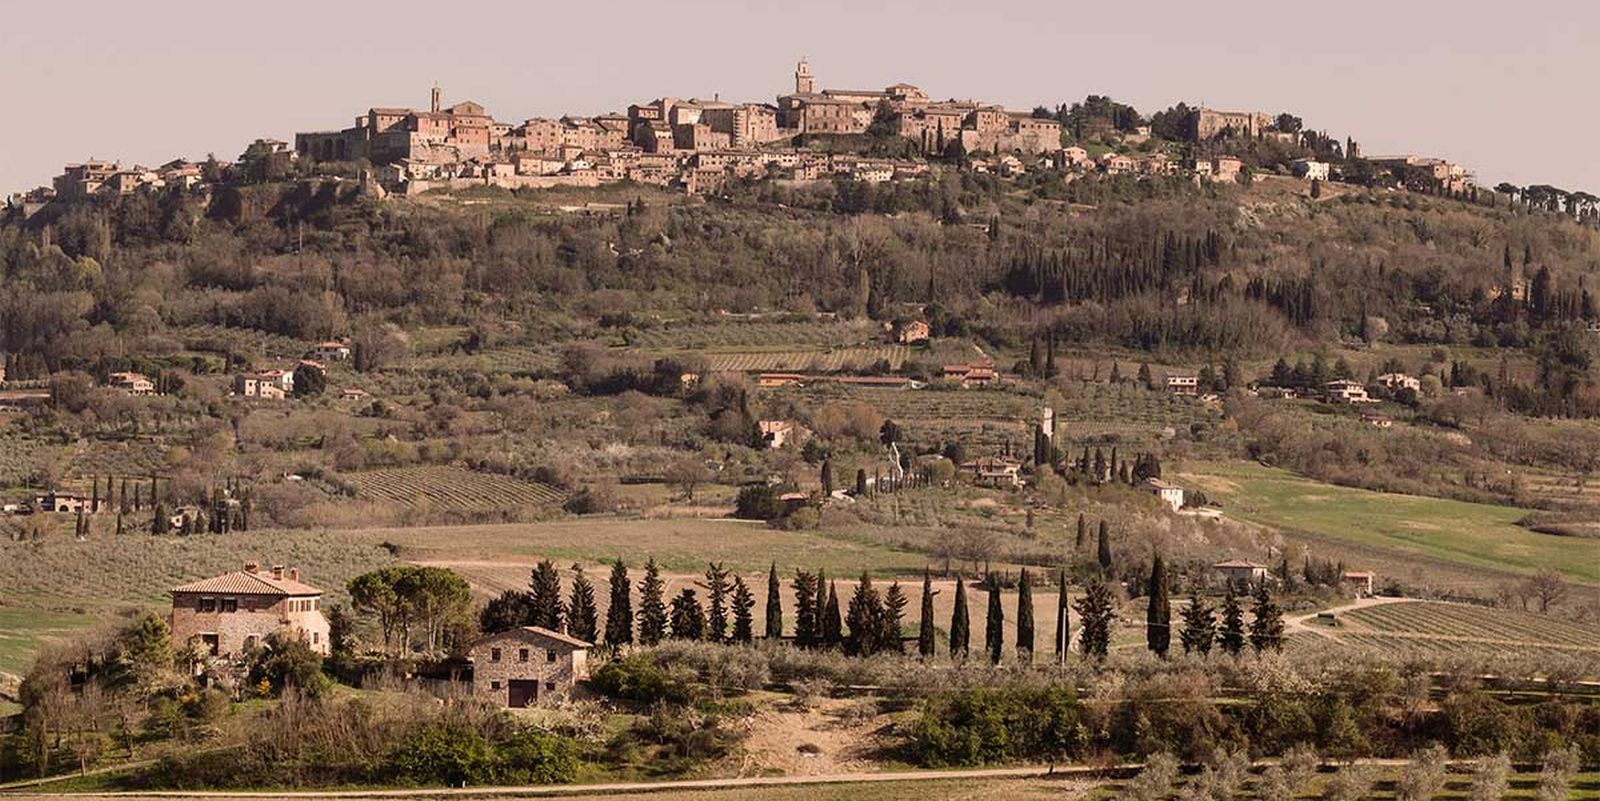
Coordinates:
[1170,494]
[1310,170]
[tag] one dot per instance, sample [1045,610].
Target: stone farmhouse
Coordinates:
[231,614]
[527,666]
[1240,573]
[1170,494]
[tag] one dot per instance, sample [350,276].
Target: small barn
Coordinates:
[527,666]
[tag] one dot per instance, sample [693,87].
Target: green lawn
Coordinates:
[1471,534]
[22,630]
[682,545]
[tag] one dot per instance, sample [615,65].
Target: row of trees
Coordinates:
[871,621]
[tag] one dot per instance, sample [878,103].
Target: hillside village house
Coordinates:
[777,380]
[232,613]
[1310,170]
[1357,582]
[67,503]
[1399,381]
[1346,391]
[1183,385]
[265,386]
[1240,573]
[1170,494]
[527,666]
[131,383]
[913,331]
[974,374]
[778,433]
[994,471]
[330,352]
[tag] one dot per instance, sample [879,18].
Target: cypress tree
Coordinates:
[774,605]
[1231,636]
[688,620]
[994,625]
[1063,618]
[805,609]
[1083,532]
[865,618]
[1266,630]
[161,522]
[1103,550]
[582,617]
[744,605]
[894,612]
[619,613]
[820,615]
[960,624]
[925,628]
[832,621]
[1094,616]
[1199,625]
[1158,616]
[544,588]
[717,602]
[827,476]
[1025,617]
[652,605]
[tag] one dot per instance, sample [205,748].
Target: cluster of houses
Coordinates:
[1243,574]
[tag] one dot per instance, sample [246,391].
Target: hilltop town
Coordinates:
[898,133]
[839,439]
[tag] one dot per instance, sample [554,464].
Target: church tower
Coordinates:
[803,84]
[438,96]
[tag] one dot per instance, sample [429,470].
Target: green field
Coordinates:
[1468,534]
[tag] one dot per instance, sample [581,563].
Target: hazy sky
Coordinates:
[1509,89]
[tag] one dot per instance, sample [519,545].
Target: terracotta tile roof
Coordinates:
[537,631]
[240,582]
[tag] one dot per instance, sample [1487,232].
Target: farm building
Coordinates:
[778,433]
[1346,391]
[132,383]
[913,331]
[1238,572]
[528,665]
[975,374]
[1358,582]
[1170,494]
[68,502]
[1183,384]
[232,613]
[777,380]
[994,471]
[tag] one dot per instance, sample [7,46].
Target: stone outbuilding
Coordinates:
[527,666]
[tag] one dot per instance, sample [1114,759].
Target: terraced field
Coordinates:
[451,488]
[716,335]
[801,359]
[1469,624]
[508,359]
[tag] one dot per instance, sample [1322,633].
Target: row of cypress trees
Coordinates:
[872,622]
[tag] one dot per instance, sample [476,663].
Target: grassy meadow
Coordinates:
[1471,535]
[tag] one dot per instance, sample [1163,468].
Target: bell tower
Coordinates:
[803,85]
[438,97]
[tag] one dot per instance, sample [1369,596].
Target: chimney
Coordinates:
[251,567]
[294,574]
[277,572]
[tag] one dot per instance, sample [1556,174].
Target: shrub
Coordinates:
[442,753]
[531,756]
[987,725]
[637,678]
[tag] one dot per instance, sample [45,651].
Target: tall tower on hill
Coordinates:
[438,98]
[803,85]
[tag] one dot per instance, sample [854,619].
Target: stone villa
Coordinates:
[232,613]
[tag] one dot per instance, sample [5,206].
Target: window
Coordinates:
[208,604]
[550,655]
[494,685]
[550,685]
[230,604]
[494,654]
[522,654]
[316,637]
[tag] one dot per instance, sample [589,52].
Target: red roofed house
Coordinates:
[234,612]
[527,665]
